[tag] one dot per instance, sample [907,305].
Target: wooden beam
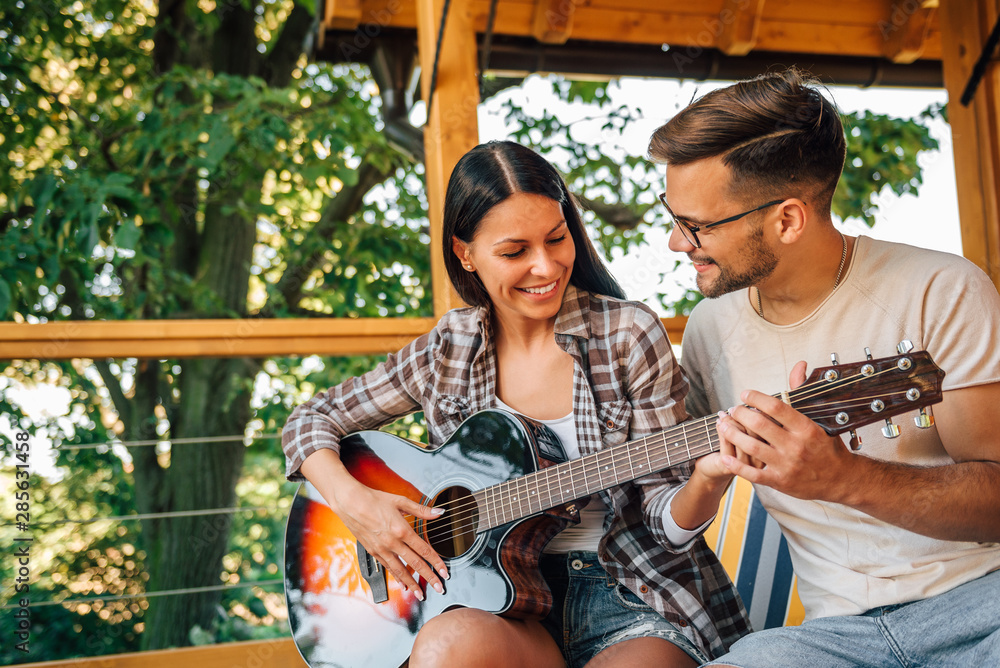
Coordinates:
[907,29]
[975,129]
[833,27]
[277,653]
[452,123]
[553,22]
[159,339]
[342,14]
[675,328]
[740,21]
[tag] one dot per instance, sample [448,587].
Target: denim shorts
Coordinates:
[960,629]
[592,611]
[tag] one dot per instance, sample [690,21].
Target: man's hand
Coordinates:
[796,456]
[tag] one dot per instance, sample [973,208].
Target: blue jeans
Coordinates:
[592,611]
[959,628]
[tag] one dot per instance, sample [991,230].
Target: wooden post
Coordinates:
[975,129]
[452,126]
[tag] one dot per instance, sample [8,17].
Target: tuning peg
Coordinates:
[833,359]
[868,353]
[925,420]
[904,346]
[890,430]
[855,441]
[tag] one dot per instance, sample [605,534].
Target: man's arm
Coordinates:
[959,501]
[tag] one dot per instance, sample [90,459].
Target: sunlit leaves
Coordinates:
[881,154]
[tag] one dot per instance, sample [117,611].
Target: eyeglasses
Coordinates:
[690,231]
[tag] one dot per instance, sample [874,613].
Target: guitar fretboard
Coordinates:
[556,485]
[838,398]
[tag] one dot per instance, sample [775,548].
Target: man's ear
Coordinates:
[793,215]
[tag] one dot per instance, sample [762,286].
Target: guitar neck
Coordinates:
[556,485]
[838,398]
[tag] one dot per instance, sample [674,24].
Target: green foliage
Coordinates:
[881,154]
[115,170]
[615,188]
[69,560]
[157,171]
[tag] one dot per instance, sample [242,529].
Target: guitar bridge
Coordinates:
[374,575]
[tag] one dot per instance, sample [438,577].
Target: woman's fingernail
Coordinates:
[444,573]
[437,512]
[438,588]
[419,594]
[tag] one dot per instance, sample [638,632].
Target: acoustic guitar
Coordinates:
[505,499]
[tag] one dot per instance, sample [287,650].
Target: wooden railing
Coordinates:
[278,653]
[159,339]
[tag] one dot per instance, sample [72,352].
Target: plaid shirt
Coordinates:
[626,385]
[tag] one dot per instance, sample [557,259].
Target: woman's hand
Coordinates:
[711,466]
[382,523]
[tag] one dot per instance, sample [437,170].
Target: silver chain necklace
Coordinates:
[840,270]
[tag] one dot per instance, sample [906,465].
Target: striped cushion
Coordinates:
[755,554]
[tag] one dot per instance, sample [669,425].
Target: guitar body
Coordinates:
[333,617]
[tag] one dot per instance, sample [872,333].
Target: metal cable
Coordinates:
[484,60]
[147,516]
[150,594]
[174,441]
[437,56]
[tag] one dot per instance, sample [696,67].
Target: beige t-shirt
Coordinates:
[848,562]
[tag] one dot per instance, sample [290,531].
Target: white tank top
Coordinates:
[587,534]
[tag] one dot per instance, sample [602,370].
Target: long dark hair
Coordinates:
[486,176]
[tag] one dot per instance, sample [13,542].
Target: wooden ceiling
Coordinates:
[899,31]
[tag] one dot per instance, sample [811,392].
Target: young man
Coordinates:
[895,545]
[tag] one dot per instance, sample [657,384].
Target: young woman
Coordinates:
[547,335]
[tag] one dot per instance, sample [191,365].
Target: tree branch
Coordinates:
[114,387]
[619,215]
[339,209]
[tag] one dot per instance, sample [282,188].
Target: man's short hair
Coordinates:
[777,133]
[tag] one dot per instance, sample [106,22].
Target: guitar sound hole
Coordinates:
[453,533]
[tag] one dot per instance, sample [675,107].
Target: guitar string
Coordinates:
[820,385]
[502,496]
[464,520]
[464,516]
[504,493]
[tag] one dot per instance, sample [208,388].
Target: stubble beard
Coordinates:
[761,262]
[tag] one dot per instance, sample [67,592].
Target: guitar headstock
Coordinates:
[844,397]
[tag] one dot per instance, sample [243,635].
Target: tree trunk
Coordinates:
[215,397]
[214,394]
[188,550]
